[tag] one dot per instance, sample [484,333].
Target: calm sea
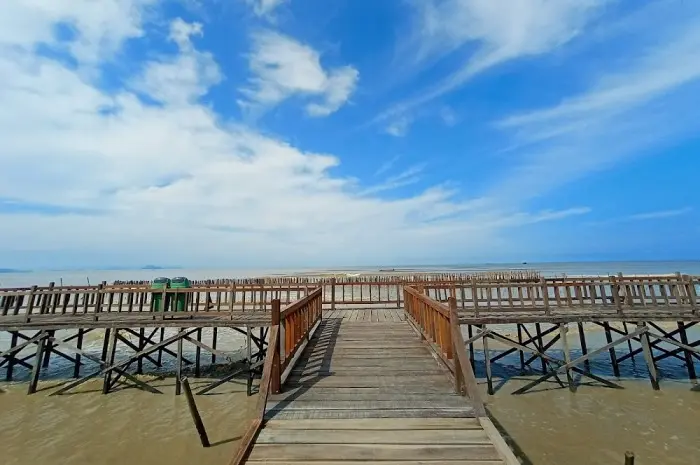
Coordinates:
[78,277]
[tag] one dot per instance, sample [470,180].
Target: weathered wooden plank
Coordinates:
[377,424]
[315,452]
[444,402]
[408,344]
[374,353]
[366,381]
[367,371]
[416,362]
[281,436]
[359,394]
[374,413]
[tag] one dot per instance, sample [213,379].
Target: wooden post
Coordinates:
[487,360]
[275,379]
[629,458]
[178,367]
[195,413]
[690,363]
[649,357]
[611,351]
[545,295]
[36,369]
[333,293]
[563,330]
[109,359]
[454,322]
[30,303]
[76,370]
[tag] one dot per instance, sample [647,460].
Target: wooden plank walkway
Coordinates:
[369,391]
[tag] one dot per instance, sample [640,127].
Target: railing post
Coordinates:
[333,293]
[454,326]
[545,294]
[276,374]
[615,288]
[30,303]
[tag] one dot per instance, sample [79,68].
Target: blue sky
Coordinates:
[282,133]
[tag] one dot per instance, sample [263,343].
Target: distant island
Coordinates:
[12,270]
[156,267]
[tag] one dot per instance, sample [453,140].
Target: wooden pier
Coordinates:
[371,389]
[359,369]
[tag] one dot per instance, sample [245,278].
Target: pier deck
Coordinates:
[367,389]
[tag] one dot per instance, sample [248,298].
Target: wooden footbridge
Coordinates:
[368,387]
[358,369]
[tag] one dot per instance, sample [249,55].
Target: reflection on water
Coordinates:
[127,426]
[596,425]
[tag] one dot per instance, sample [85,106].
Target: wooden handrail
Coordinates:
[271,360]
[463,367]
[439,326]
[298,320]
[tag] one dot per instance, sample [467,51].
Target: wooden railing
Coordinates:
[72,300]
[266,385]
[297,322]
[615,293]
[474,297]
[293,325]
[439,327]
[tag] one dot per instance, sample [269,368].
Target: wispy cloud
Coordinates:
[387,165]
[283,67]
[644,216]
[500,30]
[399,127]
[265,7]
[407,177]
[659,214]
[627,111]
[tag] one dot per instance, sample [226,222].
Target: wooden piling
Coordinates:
[198,423]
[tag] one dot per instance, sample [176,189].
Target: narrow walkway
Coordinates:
[370,392]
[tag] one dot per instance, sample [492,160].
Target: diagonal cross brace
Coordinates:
[124,363]
[103,364]
[572,365]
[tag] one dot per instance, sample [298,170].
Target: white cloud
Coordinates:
[264,7]
[496,31]
[100,28]
[283,67]
[184,77]
[405,178]
[644,216]
[626,113]
[174,183]
[662,214]
[399,127]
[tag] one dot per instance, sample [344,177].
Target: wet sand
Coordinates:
[123,427]
[596,425]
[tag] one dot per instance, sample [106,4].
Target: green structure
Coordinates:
[180,304]
[158,304]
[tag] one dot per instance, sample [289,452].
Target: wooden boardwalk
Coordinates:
[366,389]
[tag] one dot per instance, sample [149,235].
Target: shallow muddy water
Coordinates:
[124,427]
[596,425]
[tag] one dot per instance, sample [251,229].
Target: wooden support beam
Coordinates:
[36,370]
[649,357]
[563,330]
[102,363]
[111,352]
[196,417]
[123,363]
